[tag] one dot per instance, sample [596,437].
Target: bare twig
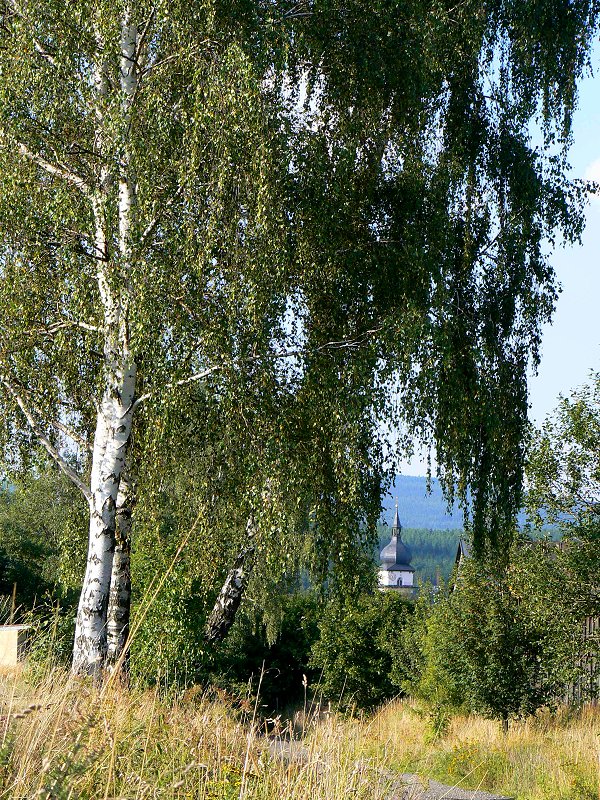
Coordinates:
[341,344]
[57,170]
[174,384]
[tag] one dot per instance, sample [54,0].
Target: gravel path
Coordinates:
[412,787]
[398,786]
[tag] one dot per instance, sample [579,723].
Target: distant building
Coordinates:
[395,572]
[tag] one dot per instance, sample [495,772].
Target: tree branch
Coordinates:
[59,426]
[149,229]
[45,442]
[174,384]
[44,54]
[341,344]
[50,330]
[56,170]
[36,44]
[75,437]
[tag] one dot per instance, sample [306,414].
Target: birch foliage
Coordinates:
[277,227]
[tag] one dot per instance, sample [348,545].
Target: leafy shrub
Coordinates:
[247,658]
[355,647]
[42,538]
[484,768]
[173,652]
[500,644]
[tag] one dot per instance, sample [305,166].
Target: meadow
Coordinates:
[62,738]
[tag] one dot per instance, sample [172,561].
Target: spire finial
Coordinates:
[396,525]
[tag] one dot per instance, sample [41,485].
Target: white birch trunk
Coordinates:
[224,611]
[114,423]
[119,601]
[114,418]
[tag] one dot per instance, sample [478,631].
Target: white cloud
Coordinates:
[592,173]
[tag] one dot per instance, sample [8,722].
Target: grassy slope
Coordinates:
[69,740]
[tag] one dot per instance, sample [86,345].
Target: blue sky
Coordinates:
[571,343]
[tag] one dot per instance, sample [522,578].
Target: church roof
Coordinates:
[396,556]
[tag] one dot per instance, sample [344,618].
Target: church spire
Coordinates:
[396,527]
[395,571]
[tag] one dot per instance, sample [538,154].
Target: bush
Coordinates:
[500,644]
[355,647]
[170,649]
[247,658]
[42,538]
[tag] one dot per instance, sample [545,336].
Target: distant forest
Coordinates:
[421,509]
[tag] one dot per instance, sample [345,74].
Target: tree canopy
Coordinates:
[272,229]
[563,467]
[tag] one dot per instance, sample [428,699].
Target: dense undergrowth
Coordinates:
[61,738]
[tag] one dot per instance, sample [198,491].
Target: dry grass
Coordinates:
[549,757]
[66,739]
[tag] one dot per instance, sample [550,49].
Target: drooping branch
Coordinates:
[38,47]
[153,223]
[174,384]
[83,443]
[44,441]
[342,344]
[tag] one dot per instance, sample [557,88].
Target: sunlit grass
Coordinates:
[552,755]
[64,738]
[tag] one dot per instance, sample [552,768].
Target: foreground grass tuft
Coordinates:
[61,738]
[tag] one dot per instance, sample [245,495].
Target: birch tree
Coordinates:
[335,206]
[104,147]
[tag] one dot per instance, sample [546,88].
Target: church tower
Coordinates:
[395,572]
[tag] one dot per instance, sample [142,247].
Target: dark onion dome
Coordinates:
[396,556]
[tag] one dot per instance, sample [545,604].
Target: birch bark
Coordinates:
[119,601]
[115,412]
[222,616]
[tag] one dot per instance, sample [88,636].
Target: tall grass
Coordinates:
[552,756]
[63,738]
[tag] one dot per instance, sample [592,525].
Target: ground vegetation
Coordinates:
[59,741]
